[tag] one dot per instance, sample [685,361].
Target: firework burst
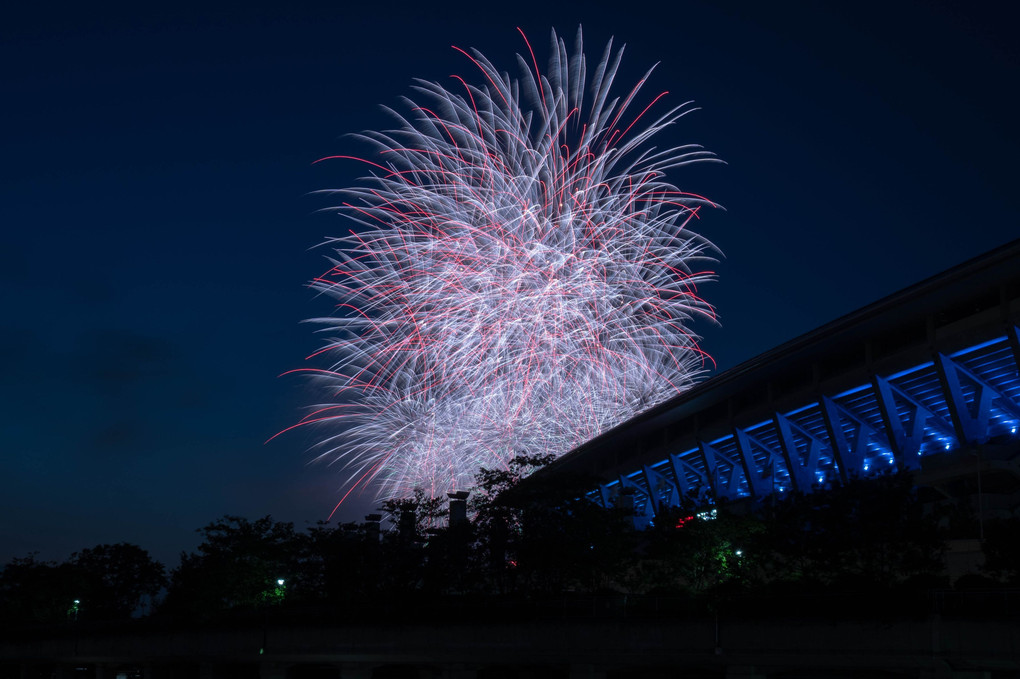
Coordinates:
[521,277]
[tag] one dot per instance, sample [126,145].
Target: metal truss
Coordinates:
[892,422]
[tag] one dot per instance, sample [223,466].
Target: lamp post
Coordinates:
[275,596]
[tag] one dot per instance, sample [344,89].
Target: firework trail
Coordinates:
[521,277]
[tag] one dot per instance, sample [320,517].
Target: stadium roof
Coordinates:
[929,370]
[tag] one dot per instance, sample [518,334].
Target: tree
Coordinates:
[116,580]
[414,516]
[33,591]
[105,582]
[339,564]
[237,567]
[546,535]
[412,562]
[867,532]
[695,549]
[1002,549]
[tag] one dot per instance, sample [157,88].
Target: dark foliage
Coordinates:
[33,591]
[236,567]
[105,582]
[116,580]
[692,554]
[536,542]
[867,533]
[546,536]
[1002,550]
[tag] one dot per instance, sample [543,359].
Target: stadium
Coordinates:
[924,380]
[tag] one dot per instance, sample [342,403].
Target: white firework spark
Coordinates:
[521,277]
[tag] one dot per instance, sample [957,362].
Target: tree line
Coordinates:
[518,543]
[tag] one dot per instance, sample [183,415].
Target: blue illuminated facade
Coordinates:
[957,401]
[925,380]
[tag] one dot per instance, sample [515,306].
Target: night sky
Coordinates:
[159,221]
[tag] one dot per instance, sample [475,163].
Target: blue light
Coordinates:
[766,423]
[903,373]
[976,347]
[797,411]
[850,392]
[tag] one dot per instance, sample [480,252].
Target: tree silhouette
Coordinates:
[116,580]
[236,567]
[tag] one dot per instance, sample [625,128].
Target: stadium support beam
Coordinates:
[609,494]
[727,489]
[850,458]
[761,482]
[680,470]
[972,421]
[1014,341]
[629,487]
[804,475]
[660,482]
[648,508]
[906,445]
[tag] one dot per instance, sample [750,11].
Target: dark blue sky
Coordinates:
[157,215]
